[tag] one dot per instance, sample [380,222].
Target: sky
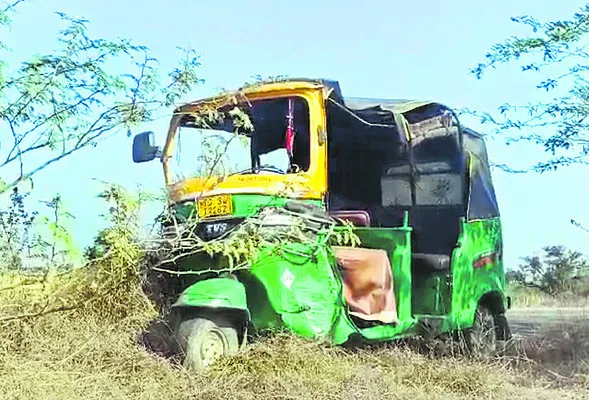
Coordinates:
[390,49]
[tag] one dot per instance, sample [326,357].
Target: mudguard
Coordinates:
[221,293]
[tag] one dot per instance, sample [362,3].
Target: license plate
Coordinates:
[215,205]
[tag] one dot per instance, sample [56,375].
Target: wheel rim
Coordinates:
[212,347]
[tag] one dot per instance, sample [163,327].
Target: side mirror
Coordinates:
[144,148]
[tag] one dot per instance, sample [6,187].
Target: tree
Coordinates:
[54,105]
[557,52]
[556,270]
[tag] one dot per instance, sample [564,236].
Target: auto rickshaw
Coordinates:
[409,181]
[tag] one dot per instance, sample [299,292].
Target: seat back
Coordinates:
[435,229]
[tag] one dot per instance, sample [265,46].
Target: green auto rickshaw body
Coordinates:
[423,180]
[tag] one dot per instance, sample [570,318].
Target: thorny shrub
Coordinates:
[108,284]
[15,231]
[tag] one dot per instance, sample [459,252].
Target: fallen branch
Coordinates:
[40,313]
[29,282]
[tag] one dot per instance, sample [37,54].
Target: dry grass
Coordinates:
[96,352]
[532,297]
[560,351]
[79,354]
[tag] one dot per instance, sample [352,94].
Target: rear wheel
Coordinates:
[202,342]
[483,337]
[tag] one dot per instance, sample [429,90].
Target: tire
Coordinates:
[482,339]
[504,337]
[202,342]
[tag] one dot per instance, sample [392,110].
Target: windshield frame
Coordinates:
[314,179]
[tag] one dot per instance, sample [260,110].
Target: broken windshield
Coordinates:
[277,142]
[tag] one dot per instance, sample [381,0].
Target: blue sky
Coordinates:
[390,49]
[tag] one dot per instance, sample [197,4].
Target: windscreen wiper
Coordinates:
[257,170]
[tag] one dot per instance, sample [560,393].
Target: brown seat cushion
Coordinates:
[368,283]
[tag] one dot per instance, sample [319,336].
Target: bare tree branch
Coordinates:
[561,125]
[12,6]
[58,104]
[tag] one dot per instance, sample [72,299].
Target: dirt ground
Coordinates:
[531,321]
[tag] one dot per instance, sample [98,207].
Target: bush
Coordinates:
[15,232]
[31,241]
[109,284]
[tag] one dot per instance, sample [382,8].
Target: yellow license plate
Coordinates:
[215,205]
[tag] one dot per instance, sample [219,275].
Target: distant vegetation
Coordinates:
[555,276]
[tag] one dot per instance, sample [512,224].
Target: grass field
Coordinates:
[79,356]
[99,352]
[84,355]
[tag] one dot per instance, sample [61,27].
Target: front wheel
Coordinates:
[202,342]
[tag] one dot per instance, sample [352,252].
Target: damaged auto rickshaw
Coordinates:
[337,218]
